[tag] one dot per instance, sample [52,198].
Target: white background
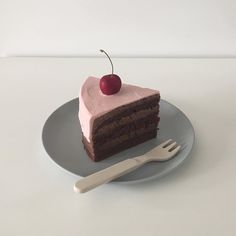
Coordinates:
[125,28]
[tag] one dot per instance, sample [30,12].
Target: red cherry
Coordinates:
[110,84]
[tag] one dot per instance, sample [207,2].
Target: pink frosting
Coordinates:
[93,103]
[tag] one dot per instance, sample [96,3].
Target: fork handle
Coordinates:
[108,174]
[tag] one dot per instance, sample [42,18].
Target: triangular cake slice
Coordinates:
[113,123]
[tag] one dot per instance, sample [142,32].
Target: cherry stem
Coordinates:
[101,50]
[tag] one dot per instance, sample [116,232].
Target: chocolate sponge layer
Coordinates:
[100,155]
[123,127]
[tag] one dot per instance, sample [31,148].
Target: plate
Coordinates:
[62,140]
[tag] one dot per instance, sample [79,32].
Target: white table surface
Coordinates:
[37,197]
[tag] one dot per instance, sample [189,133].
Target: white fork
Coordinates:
[163,152]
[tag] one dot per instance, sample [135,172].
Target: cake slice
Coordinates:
[111,124]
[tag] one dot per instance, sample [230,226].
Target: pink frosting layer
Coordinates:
[93,103]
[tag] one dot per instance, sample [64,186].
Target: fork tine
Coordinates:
[171,146]
[175,150]
[165,143]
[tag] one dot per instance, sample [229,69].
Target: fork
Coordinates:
[163,152]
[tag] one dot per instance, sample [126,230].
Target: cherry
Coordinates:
[110,84]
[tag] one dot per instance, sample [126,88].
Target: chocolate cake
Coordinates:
[111,124]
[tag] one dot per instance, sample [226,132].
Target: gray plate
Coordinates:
[62,141]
